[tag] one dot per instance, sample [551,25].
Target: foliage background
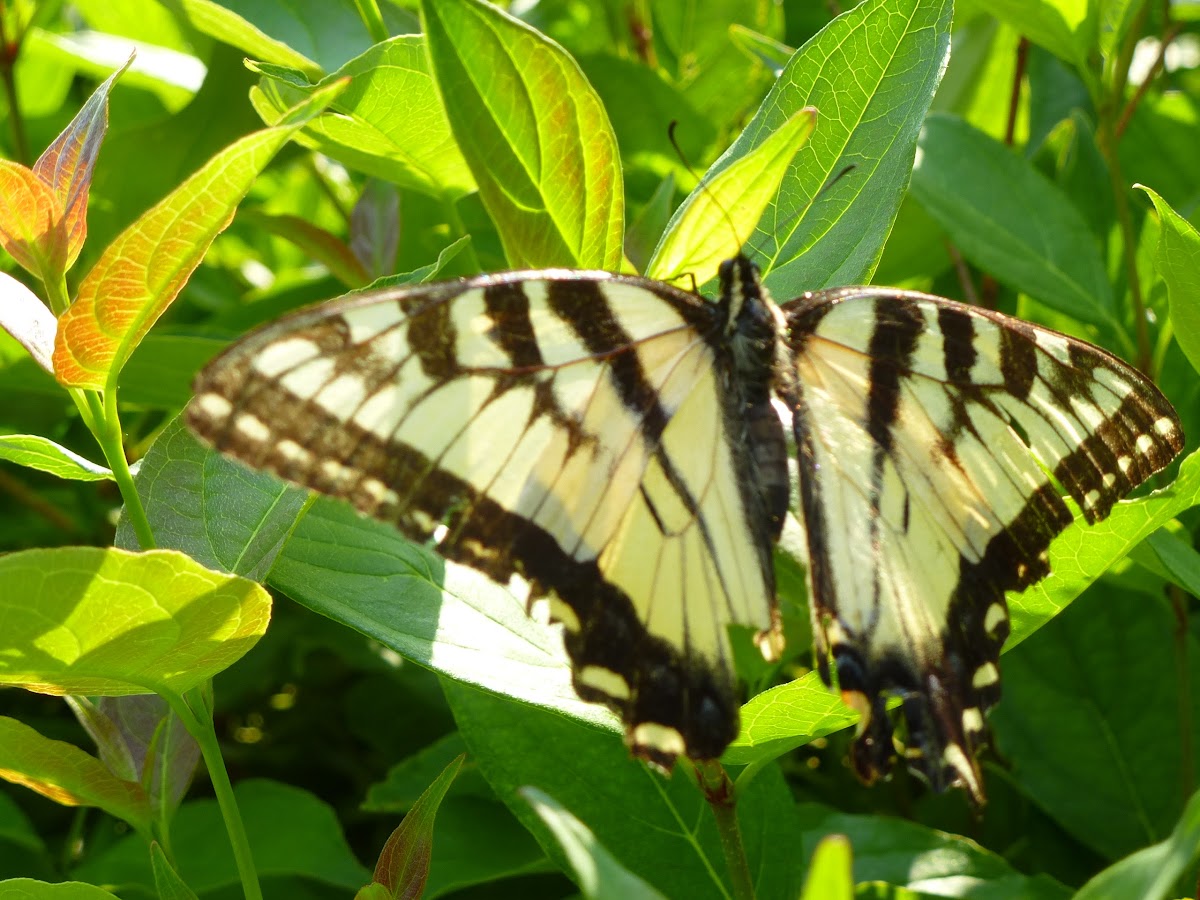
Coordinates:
[329,736]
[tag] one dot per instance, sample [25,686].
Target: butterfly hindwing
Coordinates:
[930,437]
[576,429]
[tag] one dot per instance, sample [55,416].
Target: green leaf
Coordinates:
[1089,719]
[599,875]
[871,74]
[166,880]
[403,864]
[36,452]
[81,620]
[388,122]
[908,854]
[1179,265]
[1010,220]
[658,829]
[793,714]
[1152,873]
[28,889]
[829,873]
[535,134]
[291,834]
[67,775]
[1063,27]
[1178,558]
[215,510]
[704,232]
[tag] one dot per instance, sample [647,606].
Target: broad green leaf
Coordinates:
[319,243]
[291,834]
[908,854]
[388,123]
[599,875]
[17,829]
[67,164]
[773,54]
[291,43]
[1010,220]
[409,778]
[658,829]
[67,775]
[82,620]
[1089,720]
[705,230]
[143,270]
[32,227]
[1179,265]
[215,510]
[166,880]
[403,864]
[534,133]
[793,714]
[829,873]
[1061,26]
[1152,873]
[28,889]
[871,74]
[36,452]
[479,841]
[28,320]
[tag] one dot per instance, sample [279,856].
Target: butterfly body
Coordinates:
[615,442]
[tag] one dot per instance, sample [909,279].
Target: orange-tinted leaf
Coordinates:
[67,775]
[31,221]
[67,164]
[143,270]
[403,865]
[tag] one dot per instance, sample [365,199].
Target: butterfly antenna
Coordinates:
[834,179]
[704,187]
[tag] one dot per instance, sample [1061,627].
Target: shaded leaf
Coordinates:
[1010,220]
[403,864]
[535,134]
[28,889]
[166,880]
[375,228]
[67,164]
[599,875]
[319,243]
[36,452]
[1151,873]
[67,775]
[81,620]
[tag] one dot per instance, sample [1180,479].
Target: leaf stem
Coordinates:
[368,11]
[721,794]
[201,728]
[111,442]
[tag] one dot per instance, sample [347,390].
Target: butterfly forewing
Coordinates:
[572,428]
[931,437]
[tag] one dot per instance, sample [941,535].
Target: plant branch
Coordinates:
[111,441]
[721,795]
[1183,678]
[10,49]
[1171,33]
[201,728]
[1014,100]
[30,499]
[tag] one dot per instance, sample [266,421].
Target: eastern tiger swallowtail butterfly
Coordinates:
[621,444]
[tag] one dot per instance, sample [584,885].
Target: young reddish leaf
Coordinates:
[318,243]
[534,132]
[403,866]
[67,164]
[31,221]
[26,318]
[82,620]
[67,775]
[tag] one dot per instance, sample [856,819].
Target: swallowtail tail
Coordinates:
[621,444]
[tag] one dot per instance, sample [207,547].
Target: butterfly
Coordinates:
[622,446]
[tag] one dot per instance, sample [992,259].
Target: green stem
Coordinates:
[1183,678]
[368,11]
[721,795]
[201,728]
[111,443]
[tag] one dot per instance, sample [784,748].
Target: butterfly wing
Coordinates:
[570,428]
[930,436]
